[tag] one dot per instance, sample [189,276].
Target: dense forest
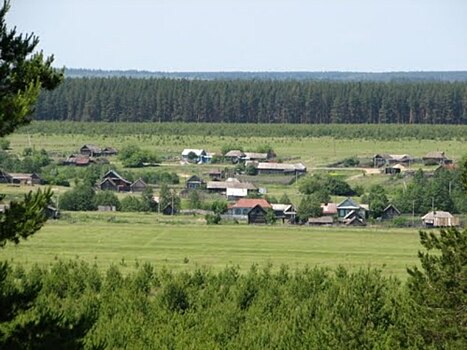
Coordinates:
[243,101]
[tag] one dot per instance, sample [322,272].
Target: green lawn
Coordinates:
[124,239]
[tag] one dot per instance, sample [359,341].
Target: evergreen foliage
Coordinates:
[240,101]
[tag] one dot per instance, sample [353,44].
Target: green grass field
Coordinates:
[185,243]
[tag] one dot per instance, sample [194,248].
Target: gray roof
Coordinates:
[252,155]
[211,185]
[437,214]
[281,166]
[321,220]
[235,153]
[435,155]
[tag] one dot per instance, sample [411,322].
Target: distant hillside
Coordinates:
[330,76]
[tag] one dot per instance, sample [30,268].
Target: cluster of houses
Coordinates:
[113,181]
[346,213]
[89,154]
[397,163]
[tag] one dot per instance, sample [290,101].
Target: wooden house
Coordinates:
[280,169]
[169,210]
[284,212]
[354,218]
[22,178]
[348,205]
[52,213]
[390,212]
[194,182]
[253,156]
[321,221]
[439,219]
[380,160]
[257,215]
[234,156]
[138,186]
[109,151]
[232,184]
[244,205]
[435,158]
[90,150]
[329,209]
[198,156]
[112,181]
[216,175]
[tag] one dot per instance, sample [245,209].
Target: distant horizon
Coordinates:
[264,71]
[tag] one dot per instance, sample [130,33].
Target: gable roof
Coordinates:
[281,166]
[92,148]
[140,181]
[393,207]
[435,155]
[253,155]
[437,214]
[234,153]
[329,208]
[112,174]
[348,203]
[283,208]
[197,152]
[194,178]
[251,203]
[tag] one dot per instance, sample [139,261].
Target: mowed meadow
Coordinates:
[186,243]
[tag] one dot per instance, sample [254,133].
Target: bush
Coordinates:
[213,219]
[81,198]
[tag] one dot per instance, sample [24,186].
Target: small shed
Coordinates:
[234,156]
[257,215]
[138,186]
[169,210]
[90,150]
[321,221]
[440,219]
[52,213]
[390,212]
[194,182]
[434,158]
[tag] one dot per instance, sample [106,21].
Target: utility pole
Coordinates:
[413,213]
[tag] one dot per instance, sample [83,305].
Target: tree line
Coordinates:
[253,101]
[72,305]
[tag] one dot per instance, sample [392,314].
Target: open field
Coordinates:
[185,243]
[312,151]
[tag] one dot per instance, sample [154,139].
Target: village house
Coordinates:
[354,218]
[257,215]
[20,178]
[90,150]
[253,210]
[435,158]
[216,174]
[109,151]
[78,160]
[395,169]
[280,168]
[347,206]
[329,209]
[198,156]
[138,186]
[241,207]
[284,212]
[112,181]
[380,160]
[390,212]
[233,186]
[194,182]
[321,221]
[255,156]
[439,218]
[234,156]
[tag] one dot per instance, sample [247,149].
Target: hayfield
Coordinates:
[186,243]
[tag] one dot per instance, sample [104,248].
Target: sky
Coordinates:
[249,35]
